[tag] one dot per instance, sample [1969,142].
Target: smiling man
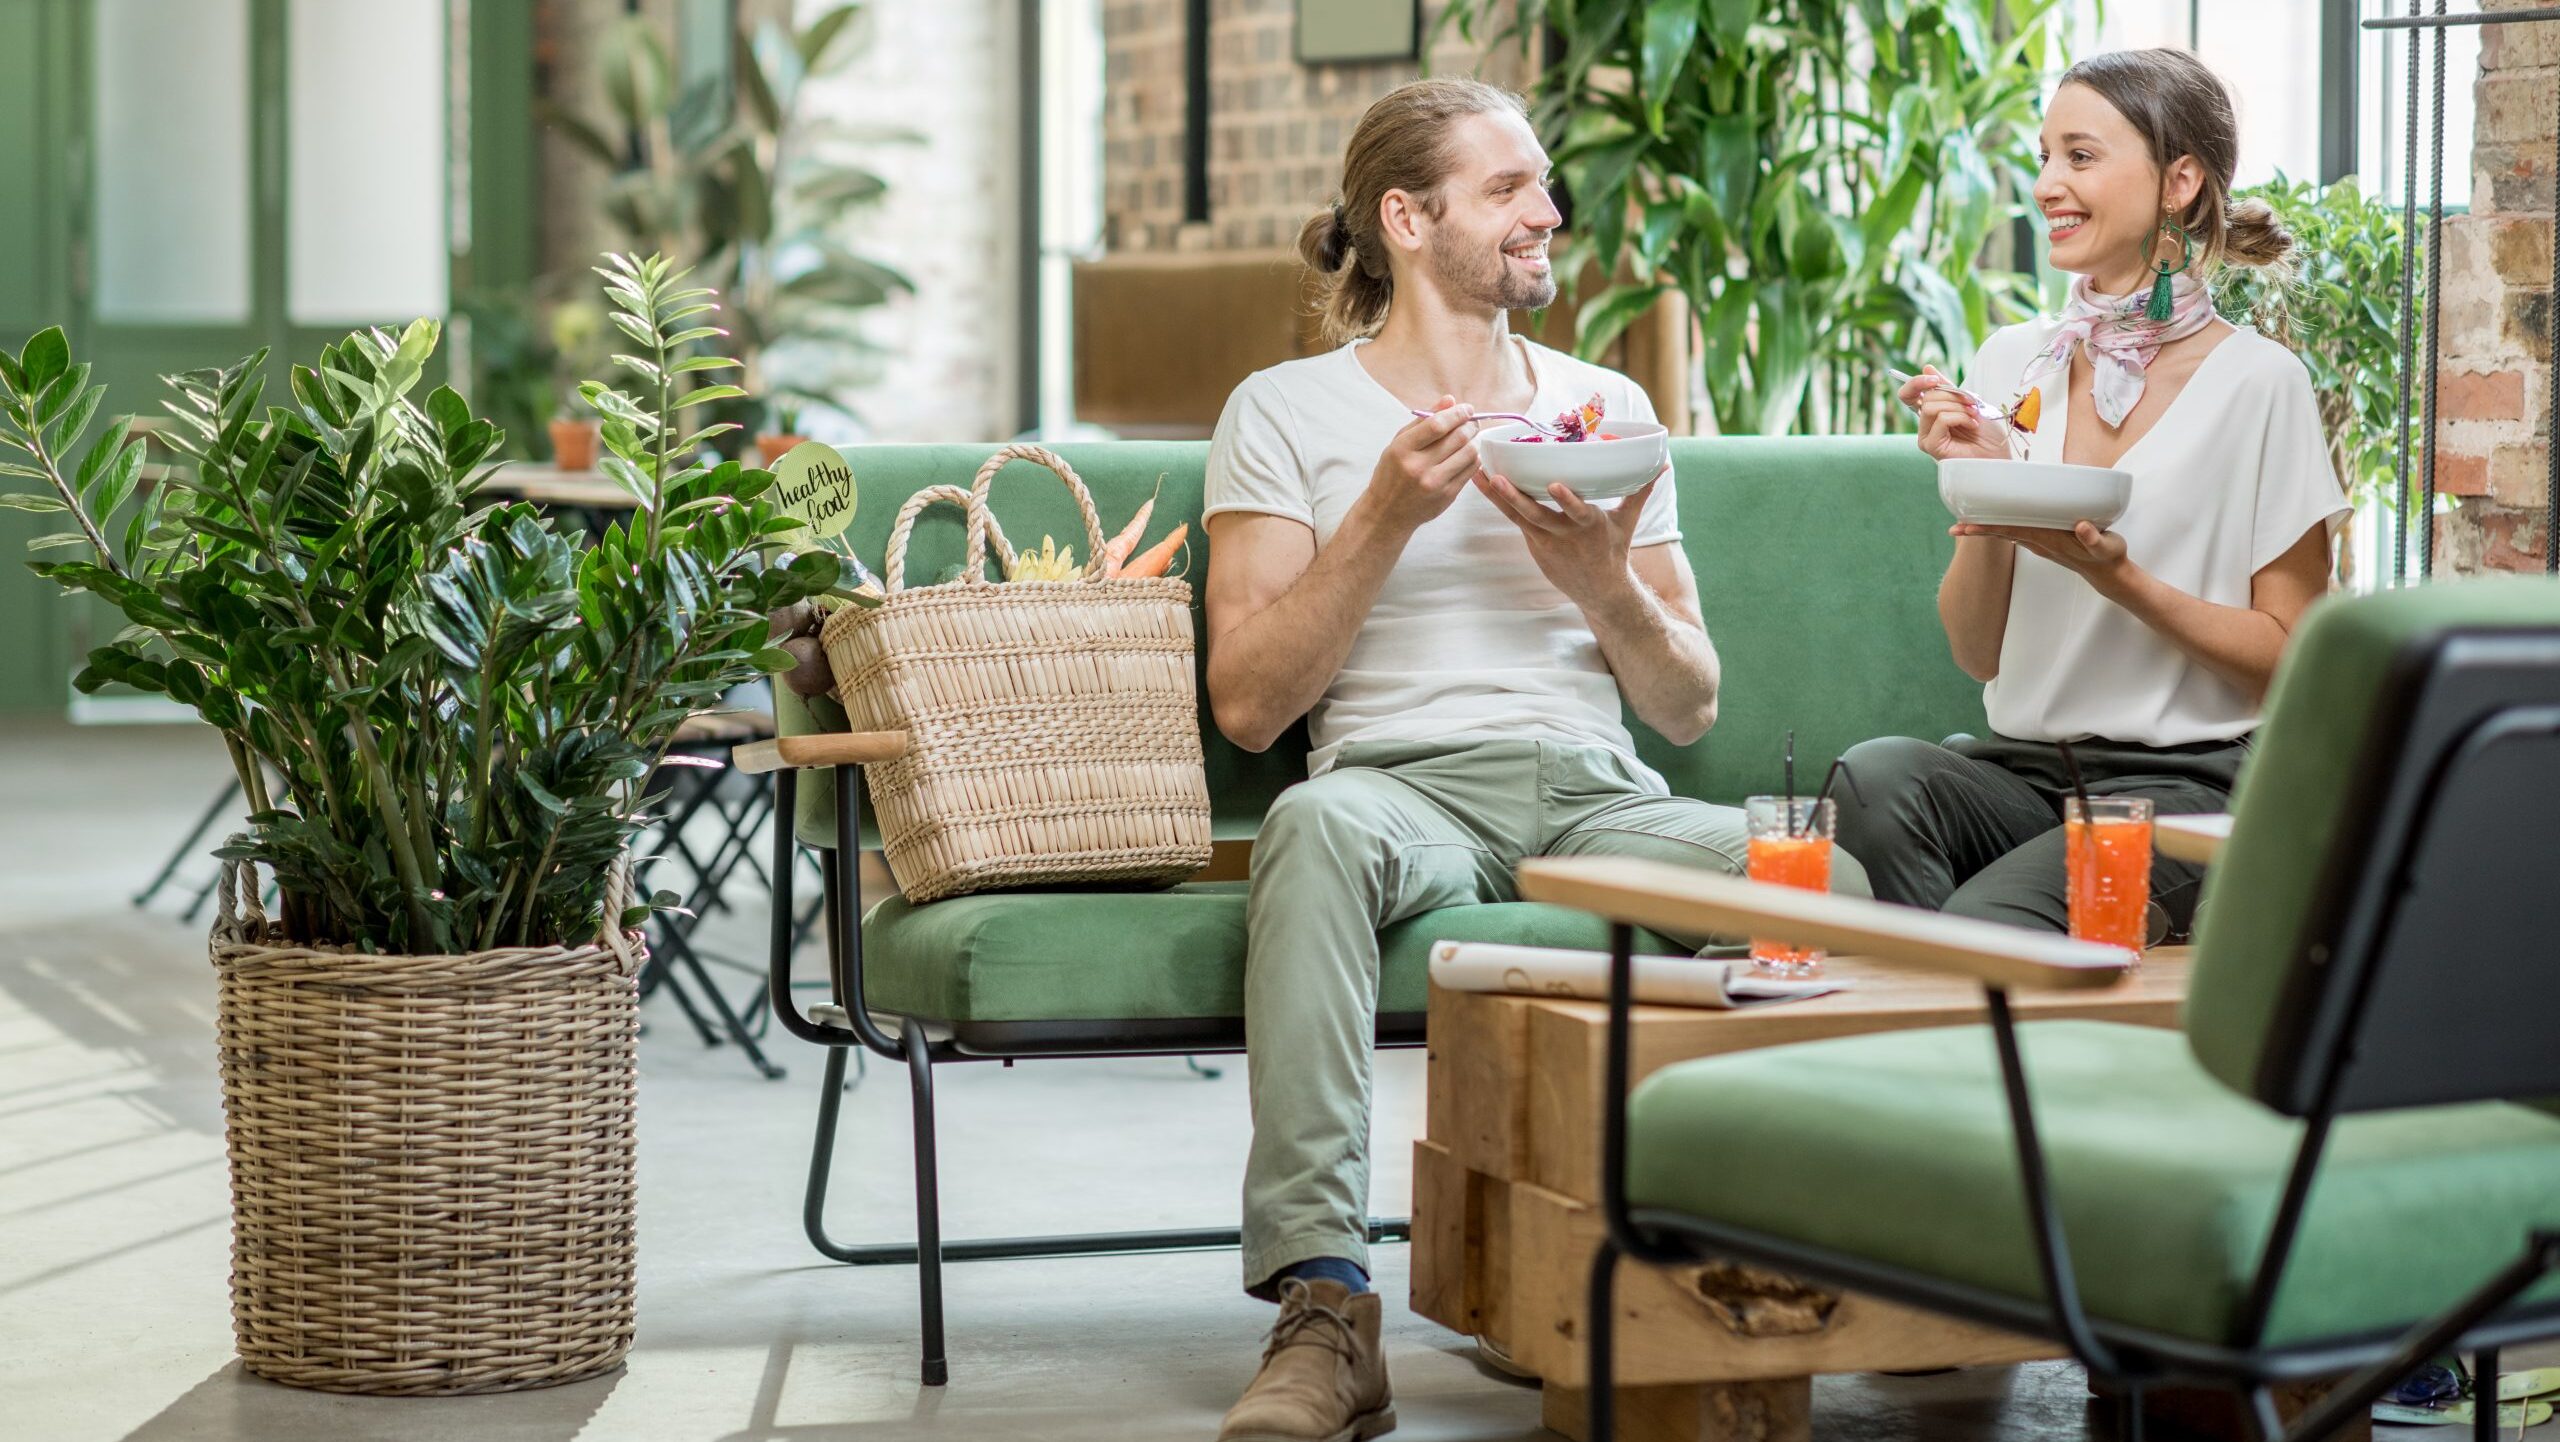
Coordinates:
[1462,654]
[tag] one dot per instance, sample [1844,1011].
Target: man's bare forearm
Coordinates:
[1665,665]
[1273,666]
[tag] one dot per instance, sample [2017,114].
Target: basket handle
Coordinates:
[237,909]
[895,575]
[981,520]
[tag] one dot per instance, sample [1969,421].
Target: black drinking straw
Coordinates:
[1839,769]
[1790,812]
[2071,767]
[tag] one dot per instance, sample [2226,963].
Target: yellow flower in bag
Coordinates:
[1046,564]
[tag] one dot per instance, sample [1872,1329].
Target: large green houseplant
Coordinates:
[1819,181]
[446,715]
[463,702]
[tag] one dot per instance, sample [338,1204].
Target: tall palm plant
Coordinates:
[732,175]
[1821,182]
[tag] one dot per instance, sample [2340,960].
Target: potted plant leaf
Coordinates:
[426,1047]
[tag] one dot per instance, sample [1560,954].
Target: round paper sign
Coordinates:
[815,487]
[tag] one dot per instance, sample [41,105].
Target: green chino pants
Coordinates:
[1392,830]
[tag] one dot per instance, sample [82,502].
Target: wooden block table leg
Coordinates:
[1776,1410]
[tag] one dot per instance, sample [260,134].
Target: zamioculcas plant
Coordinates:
[461,704]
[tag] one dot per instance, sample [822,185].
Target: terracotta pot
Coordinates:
[771,445]
[573,444]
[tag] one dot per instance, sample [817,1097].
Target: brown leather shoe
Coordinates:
[1323,1377]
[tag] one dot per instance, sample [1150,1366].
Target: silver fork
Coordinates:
[1904,378]
[1983,409]
[1538,425]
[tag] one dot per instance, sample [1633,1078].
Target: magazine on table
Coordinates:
[1584,976]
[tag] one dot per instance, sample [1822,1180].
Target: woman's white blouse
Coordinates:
[2229,478]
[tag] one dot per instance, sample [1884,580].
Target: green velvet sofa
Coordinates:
[1817,565]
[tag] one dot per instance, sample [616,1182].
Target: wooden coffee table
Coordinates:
[1504,1220]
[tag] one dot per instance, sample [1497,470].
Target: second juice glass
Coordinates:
[1790,846]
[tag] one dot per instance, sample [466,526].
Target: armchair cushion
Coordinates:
[1898,1147]
[1174,954]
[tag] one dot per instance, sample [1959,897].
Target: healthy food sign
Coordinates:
[814,486]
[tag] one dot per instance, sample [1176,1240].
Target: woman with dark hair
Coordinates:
[2148,644]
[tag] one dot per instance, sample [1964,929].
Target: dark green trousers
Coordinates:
[1974,827]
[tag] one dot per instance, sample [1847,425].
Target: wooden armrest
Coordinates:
[2191,838]
[1690,901]
[827,748]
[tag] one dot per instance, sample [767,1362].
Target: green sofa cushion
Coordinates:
[1175,954]
[1898,1147]
[1817,562]
[2258,911]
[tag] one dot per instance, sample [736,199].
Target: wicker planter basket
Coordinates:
[1052,727]
[431,1159]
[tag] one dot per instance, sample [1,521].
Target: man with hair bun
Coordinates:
[1460,653]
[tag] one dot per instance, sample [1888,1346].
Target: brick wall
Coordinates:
[1276,128]
[2493,392]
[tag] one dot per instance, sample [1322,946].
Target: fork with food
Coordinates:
[1951,417]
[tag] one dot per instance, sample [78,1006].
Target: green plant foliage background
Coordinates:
[1820,181]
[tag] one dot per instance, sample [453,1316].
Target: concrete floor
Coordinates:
[113,1229]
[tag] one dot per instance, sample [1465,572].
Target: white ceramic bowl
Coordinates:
[1593,470]
[2044,494]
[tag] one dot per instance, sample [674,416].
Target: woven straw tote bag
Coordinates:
[1053,729]
[431,1157]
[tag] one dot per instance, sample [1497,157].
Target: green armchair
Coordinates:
[1818,563]
[2348,1162]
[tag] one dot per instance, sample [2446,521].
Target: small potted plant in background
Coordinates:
[577,333]
[427,1051]
[773,444]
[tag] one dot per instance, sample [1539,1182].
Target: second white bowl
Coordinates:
[2048,495]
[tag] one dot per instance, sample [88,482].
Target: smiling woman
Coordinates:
[2147,639]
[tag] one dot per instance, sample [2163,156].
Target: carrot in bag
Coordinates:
[1156,559]
[1115,552]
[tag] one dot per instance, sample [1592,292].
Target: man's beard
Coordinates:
[1486,277]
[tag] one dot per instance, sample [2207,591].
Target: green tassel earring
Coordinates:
[2159,307]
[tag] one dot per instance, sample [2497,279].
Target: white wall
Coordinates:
[950,220]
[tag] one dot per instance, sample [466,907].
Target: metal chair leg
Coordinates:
[937,1369]
[221,801]
[1600,1421]
[2266,1424]
[2484,1395]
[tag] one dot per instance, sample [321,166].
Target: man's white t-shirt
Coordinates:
[1467,641]
[2227,479]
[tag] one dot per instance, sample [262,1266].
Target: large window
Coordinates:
[2267,51]
[2382,106]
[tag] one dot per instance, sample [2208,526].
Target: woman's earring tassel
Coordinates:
[2160,306]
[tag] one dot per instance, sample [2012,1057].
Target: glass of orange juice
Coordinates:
[2107,861]
[1790,846]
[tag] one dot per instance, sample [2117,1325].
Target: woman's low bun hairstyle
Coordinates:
[2181,108]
